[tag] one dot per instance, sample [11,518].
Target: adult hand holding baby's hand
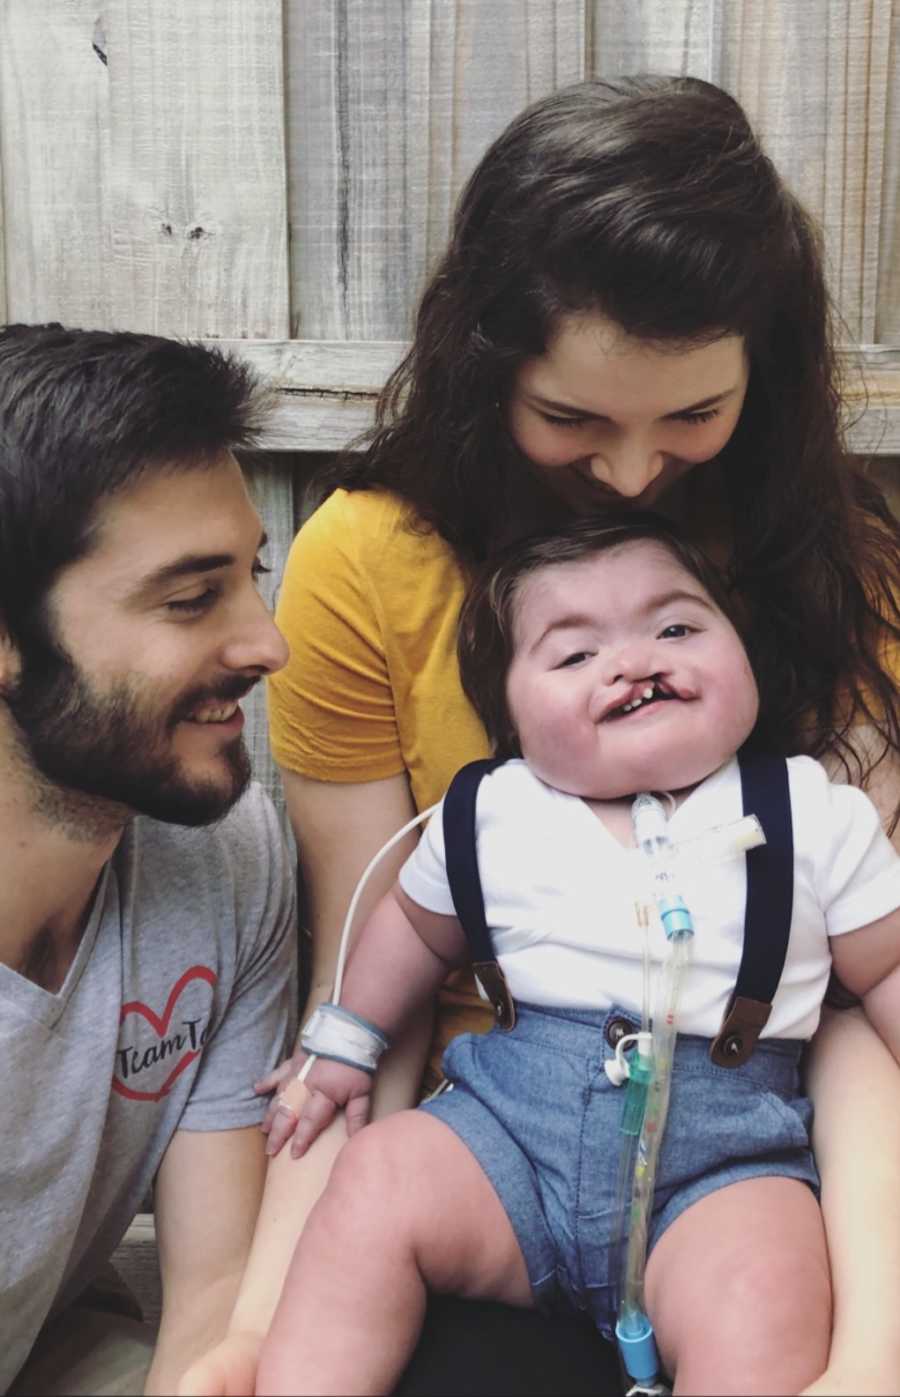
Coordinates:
[330,1087]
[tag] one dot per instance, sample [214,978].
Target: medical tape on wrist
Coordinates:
[336,1033]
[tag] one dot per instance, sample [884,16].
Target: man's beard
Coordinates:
[113,747]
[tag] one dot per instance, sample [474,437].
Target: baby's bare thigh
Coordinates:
[421,1188]
[739,1290]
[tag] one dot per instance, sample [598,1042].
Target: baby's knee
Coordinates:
[772,1322]
[367,1173]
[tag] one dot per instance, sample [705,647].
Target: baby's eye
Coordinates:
[577,657]
[676,631]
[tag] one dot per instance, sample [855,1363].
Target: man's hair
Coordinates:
[486,643]
[84,414]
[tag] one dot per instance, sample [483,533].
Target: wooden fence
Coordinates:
[281,175]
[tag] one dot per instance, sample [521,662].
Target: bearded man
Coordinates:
[146,900]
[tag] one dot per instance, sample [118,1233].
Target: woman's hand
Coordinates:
[228,1370]
[331,1086]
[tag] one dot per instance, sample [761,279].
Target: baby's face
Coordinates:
[626,676]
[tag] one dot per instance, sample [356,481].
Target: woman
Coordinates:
[631,307]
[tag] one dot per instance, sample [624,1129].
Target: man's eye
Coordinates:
[192,606]
[577,657]
[676,631]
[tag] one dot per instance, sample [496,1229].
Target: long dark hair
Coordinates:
[650,201]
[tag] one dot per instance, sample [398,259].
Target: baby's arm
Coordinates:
[868,963]
[403,955]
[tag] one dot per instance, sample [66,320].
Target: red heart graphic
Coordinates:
[161,1024]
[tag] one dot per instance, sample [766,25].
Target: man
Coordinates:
[146,934]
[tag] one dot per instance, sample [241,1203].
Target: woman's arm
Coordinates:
[338,827]
[855,1085]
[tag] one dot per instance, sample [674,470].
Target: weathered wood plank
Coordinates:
[197,192]
[54,132]
[887,315]
[390,104]
[645,36]
[144,167]
[3,316]
[327,391]
[872,398]
[826,131]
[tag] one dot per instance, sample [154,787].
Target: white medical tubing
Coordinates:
[351,913]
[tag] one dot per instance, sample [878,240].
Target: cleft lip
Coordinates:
[632,694]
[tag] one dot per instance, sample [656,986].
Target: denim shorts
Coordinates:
[538,1112]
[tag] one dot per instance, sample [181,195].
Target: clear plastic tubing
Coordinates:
[633,1329]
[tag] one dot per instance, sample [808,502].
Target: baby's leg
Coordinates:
[407,1207]
[739,1290]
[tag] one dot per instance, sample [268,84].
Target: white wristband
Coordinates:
[336,1033]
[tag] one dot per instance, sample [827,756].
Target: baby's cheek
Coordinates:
[742,702]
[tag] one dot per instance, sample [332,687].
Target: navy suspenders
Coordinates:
[767,921]
[461,853]
[767,918]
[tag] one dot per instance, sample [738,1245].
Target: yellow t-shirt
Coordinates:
[369,607]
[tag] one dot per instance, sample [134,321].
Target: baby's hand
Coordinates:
[331,1085]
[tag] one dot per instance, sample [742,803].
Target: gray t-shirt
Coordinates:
[179,997]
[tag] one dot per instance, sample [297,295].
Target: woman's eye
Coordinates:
[676,631]
[562,421]
[696,418]
[192,606]
[259,569]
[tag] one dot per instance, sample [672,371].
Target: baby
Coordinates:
[604,663]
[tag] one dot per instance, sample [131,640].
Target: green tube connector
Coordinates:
[640,1075]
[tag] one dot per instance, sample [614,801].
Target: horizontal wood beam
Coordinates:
[327,391]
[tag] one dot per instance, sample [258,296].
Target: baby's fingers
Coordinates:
[317,1114]
[357,1112]
[279,1075]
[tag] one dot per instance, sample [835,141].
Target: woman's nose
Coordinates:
[628,470]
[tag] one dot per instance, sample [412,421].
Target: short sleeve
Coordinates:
[424,875]
[331,709]
[857,870]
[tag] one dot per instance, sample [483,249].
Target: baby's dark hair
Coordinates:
[485,643]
